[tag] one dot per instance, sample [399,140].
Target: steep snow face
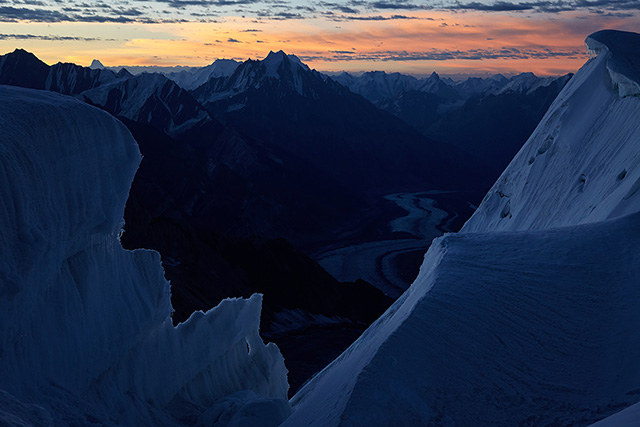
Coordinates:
[582,163]
[534,326]
[85,327]
[521,328]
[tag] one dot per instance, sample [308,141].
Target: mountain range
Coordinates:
[489,118]
[239,154]
[527,316]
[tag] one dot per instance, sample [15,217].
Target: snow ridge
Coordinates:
[529,316]
[580,165]
[623,61]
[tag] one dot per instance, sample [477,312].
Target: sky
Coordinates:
[451,37]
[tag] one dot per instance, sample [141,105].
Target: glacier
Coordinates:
[529,315]
[85,326]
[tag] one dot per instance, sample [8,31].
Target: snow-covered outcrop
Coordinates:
[71,79]
[582,163]
[534,326]
[192,78]
[151,99]
[377,85]
[85,328]
[275,68]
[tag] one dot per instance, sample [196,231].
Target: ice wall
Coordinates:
[85,328]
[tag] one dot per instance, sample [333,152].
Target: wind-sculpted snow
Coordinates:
[520,328]
[582,163]
[623,61]
[530,316]
[85,328]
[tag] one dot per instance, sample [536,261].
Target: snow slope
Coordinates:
[85,328]
[628,417]
[582,163]
[488,335]
[536,325]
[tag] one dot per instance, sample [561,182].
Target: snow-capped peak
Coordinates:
[192,78]
[274,61]
[96,65]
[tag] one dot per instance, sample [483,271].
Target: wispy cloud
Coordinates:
[168,11]
[50,38]
[443,55]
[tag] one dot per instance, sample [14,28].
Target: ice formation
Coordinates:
[529,316]
[85,328]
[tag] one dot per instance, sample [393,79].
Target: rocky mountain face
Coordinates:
[322,125]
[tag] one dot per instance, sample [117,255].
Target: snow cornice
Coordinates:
[623,63]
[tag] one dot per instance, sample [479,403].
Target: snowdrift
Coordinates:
[529,316]
[85,328]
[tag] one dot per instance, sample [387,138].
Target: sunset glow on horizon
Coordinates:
[351,36]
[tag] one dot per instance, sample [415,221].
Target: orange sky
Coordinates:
[446,42]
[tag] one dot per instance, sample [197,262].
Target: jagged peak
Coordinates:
[96,65]
[527,74]
[124,73]
[274,59]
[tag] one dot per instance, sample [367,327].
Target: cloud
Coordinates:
[97,13]
[340,17]
[445,55]
[9,13]
[547,6]
[50,38]
[175,11]
[396,5]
